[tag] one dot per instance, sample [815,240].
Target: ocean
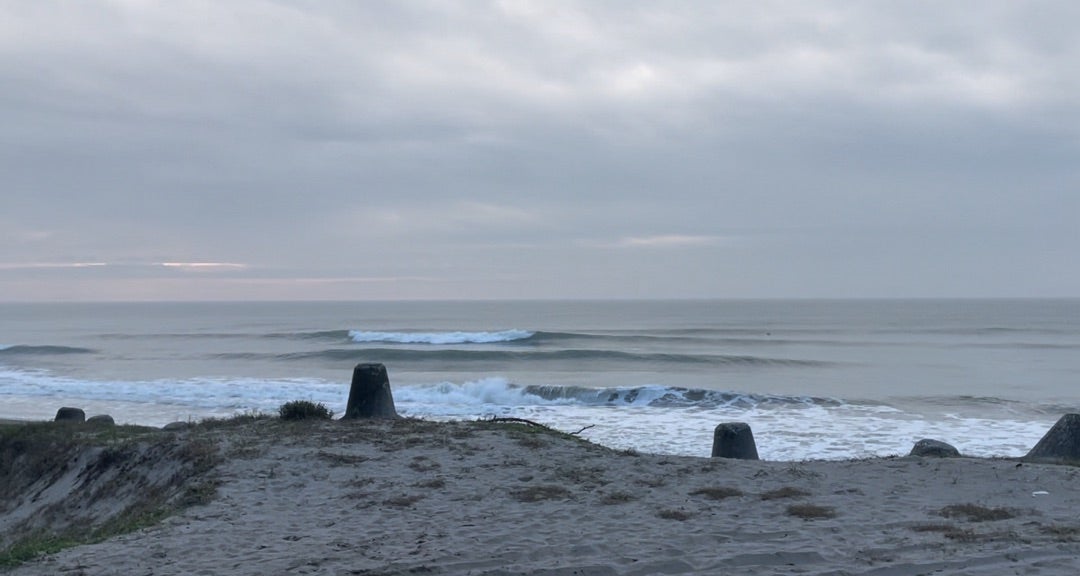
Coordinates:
[814,379]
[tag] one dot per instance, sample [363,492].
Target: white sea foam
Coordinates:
[439,338]
[784,431]
[157,402]
[462,398]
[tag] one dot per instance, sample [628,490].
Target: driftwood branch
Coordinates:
[509,419]
[517,421]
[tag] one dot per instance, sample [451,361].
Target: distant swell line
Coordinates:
[457,355]
[43,350]
[532,338]
[332,335]
[407,337]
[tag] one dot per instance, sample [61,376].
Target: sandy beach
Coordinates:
[415,497]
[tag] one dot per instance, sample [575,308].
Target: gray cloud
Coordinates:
[538,149]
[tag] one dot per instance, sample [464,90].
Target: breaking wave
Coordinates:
[439,338]
[500,391]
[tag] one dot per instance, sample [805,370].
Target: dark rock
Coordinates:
[68,414]
[934,449]
[176,426]
[1060,444]
[369,395]
[734,440]
[101,420]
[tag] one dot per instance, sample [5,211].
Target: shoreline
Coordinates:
[413,496]
[674,431]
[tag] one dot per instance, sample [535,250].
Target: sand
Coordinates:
[407,497]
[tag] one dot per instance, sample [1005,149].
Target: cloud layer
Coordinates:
[538,149]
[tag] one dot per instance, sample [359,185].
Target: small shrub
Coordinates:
[810,511]
[304,410]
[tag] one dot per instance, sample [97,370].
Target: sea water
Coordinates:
[814,379]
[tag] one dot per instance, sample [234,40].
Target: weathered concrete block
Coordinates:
[1060,444]
[928,448]
[69,414]
[734,440]
[369,395]
[101,420]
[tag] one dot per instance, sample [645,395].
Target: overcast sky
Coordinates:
[514,149]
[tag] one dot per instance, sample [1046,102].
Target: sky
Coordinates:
[342,150]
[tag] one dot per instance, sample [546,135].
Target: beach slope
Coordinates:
[414,497]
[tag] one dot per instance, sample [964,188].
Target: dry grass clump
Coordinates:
[199,493]
[591,476]
[336,459]
[115,464]
[976,513]
[949,531]
[717,493]
[304,410]
[811,511]
[617,497]
[248,417]
[785,492]
[32,451]
[540,493]
[403,501]
[530,441]
[672,514]
[424,464]
[1062,533]
[967,535]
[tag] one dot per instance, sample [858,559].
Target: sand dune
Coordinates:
[411,497]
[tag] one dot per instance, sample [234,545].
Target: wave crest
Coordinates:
[22,349]
[439,338]
[502,392]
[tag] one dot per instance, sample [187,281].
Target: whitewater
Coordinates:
[814,379]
